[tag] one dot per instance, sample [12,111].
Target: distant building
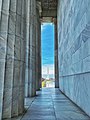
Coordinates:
[47,73]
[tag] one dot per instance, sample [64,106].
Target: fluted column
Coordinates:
[37,48]
[39,65]
[13,99]
[0,8]
[2,65]
[39,53]
[32,74]
[19,60]
[9,66]
[27,69]
[4,16]
[56,55]
[16,77]
[22,57]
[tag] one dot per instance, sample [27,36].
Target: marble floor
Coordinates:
[51,104]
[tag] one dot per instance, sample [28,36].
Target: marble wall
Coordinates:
[74,51]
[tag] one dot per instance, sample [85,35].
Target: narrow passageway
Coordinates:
[51,104]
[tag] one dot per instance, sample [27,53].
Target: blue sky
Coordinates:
[47,38]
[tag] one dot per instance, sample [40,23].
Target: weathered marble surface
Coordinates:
[56,54]
[27,55]
[2,65]
[12,57]
[39,56]
[32,61]
[38,50]
[19,54]
[19,61]
[74,51]
[3,47]
[9,66]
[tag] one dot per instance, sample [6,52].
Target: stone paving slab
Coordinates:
[51,104]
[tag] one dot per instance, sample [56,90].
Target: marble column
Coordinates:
[56,55]
[9,66]
[16,77]
[22,56]
[4,15]
[12,57]
[37,49]
[39,55]
[32,74]
[0,8]
[19,60]
[2,65]
[27,66]
[13,103]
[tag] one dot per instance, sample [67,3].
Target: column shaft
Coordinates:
[19,60]
[13,102]
[9,66]
[0,8]
[22,57]
[27,69]
[37,50]
[16,78]
[39,55]
[32,74]
[56,56]
[4,15]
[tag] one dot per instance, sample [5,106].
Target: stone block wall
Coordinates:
[74,51]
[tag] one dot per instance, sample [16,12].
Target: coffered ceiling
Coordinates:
[49,9]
